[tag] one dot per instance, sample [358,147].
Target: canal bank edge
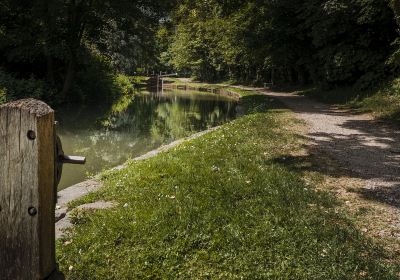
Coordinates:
[65,196]
[219,91]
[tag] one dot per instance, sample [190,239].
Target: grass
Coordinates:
[200,85]
[139,81]
[225,87]
[178,81]
[224,206]
[2,95]
[382,103]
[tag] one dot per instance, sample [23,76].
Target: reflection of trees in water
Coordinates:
[133,126]
[136,118]
[184,117]
[166,118]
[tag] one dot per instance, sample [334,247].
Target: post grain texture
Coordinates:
[27,245]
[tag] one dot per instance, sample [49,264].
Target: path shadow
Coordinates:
[361,146]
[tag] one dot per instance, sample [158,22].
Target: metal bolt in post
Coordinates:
[32,211]
[31,135]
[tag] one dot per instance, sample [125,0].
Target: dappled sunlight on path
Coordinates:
[368,149]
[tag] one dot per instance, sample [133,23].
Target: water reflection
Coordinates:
[133,126]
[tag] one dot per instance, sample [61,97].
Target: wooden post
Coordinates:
[27,191]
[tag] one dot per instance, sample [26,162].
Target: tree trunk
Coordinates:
[49,25]
[396,9]
[289,77]
[69,78]
[50,69]
[301,77]
[77,23]
[273,76]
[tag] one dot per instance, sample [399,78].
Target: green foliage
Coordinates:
[198,46]
[12,88]
[382,102]
[126,84]
[98,83]
[3,95]
[52,40]
[224,206]
[95,82]
[331,43]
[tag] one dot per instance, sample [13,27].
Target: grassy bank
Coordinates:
[182,82]
[225,88]
[227,205]
[193,84]
[382,103]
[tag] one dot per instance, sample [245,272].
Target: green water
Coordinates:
[134,125]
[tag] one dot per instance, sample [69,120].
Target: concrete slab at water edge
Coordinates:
[77,191]
[65,223]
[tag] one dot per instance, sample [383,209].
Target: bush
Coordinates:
[94,82]
[124,84]
[12,88]
[97,82]
[2,95]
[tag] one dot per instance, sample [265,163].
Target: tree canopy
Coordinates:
[55,48]
[331,42]
[54,39]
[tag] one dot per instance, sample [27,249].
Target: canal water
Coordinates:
[134,125]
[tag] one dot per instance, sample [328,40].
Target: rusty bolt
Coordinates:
[32,211]
[31,135]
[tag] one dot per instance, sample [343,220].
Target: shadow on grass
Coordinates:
[385,194]
[259,103]
[383,105]
[363,148]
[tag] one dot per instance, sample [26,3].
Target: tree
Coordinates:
[330,42]
[52,39]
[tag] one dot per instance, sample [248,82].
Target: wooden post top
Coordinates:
[33,106]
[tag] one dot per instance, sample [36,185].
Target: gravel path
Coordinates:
[369,149]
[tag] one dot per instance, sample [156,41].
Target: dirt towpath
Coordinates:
[368,149]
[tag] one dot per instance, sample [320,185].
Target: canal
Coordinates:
[134,125]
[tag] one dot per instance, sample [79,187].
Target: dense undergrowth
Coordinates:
[12,88]
[95,84]
[223,206]
[382,102]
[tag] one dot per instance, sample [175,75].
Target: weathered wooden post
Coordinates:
[27,190]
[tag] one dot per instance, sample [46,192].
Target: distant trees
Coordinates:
[53,39]
[71,43]
[331,42]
